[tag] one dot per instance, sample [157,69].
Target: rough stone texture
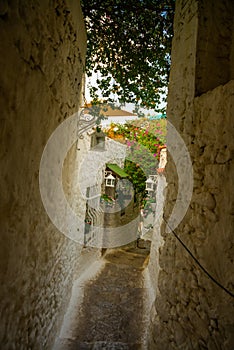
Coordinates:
[157,240]
[42,46]
[213,51]
[190,311]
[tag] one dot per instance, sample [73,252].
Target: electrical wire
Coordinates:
[197,262]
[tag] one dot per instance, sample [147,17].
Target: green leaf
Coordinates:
[129,42]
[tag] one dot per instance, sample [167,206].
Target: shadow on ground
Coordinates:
[111,315]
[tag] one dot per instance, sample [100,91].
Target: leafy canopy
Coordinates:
[129,43]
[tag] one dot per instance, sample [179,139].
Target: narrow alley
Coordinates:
[65,193]
[112,314]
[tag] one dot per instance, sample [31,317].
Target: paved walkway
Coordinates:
[109,311]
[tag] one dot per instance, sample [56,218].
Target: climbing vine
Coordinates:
[144,140]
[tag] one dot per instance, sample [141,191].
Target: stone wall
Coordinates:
[42,47]
[190,310]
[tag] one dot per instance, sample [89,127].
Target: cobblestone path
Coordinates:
[111,314]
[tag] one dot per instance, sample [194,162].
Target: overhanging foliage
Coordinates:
[129,43]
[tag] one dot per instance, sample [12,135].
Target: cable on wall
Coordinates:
[197,261]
